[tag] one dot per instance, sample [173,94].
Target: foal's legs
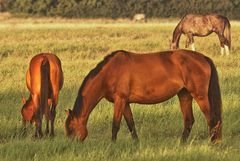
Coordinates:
[119,105]
[186,106]
[127,113]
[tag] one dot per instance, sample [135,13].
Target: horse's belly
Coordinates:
[196,31]
[154,94]
[202,33]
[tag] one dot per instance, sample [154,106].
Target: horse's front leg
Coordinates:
[119,105]
[187,42]
[190,41]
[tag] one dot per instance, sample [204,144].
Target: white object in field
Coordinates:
[139,17]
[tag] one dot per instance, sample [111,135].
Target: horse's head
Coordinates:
[73,126]
[27,110]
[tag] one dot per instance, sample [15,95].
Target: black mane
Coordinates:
[91,74]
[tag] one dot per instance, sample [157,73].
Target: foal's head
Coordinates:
[74,127]
[27,110]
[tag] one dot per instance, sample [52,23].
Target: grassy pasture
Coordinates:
[81,45]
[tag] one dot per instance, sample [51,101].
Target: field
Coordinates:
[81,44]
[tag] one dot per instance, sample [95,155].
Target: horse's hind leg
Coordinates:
[127,113]
[223,42]
[48,117]
[119,105]
[47,125]
[204,104]
[38,117]
[186,107]
[53,115]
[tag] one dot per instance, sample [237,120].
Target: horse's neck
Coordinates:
[176,36]
[89,97]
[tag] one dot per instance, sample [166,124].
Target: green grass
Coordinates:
[80,46]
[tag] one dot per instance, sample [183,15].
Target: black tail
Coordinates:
[214,96]
[45,84]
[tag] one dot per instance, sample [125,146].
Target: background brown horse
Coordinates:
[44,81]
[124,78]
[203,25]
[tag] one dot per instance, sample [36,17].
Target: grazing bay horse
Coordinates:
[125,77]
[44,80]
[202,25]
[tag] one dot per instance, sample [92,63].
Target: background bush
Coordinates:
[121,8]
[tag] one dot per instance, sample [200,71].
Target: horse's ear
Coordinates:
[23,100]
[68,112]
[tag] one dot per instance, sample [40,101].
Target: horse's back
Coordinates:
[207,19]
[148,63]
[203,25]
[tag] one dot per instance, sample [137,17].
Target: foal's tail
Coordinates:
[45,84]
[214,96]
[227,32]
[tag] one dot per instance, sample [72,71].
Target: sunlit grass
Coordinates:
[81,45]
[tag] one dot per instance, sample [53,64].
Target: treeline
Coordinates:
[121,8]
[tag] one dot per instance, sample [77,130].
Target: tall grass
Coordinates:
[80,46]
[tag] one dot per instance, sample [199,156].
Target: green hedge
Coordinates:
[121,8]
